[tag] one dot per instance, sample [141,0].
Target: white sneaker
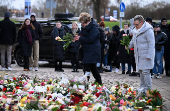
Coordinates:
[30,68]
[9,68]
[159,76]
[3,69]
[108,67]
[36,69]
[116,70]
[154,76]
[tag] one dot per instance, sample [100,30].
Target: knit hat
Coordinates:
[149,19]
[157,25]
[33,14]
[115,28]
[107,29]
[163,19]
[7,15]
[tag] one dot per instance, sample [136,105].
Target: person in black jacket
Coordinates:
[113,49]
[102,42]
[90,40]
[26,38]
[124,57]
[160,39]
[106,47]
[74,48]
[33,60]
[58,51]
[7,39]
[167,52]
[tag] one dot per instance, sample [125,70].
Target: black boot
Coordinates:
[133,74]
[123,72]
[128,72]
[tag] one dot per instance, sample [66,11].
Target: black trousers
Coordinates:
[26,64]
[132,58]
[92,68]
[58,66]
[167,68]
[74,60]
[115,58]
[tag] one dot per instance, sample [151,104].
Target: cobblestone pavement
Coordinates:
[108,78]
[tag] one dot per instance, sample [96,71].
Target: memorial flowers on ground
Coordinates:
[62,94]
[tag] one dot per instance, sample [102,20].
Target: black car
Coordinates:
[46,45]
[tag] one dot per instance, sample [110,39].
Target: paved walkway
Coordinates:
[109,79]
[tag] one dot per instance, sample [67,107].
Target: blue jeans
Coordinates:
[123,66]
[158,65]
[105,62]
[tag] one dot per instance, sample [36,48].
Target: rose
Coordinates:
[121,102]
[124,34]
[14,78]
[42,84]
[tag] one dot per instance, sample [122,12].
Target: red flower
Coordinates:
[86,103]
[31,92]
[98,94]
[14,78]
[159,96]
[4,89]
[42,84]
[62,107]
[92,84]
[17,87]
[76,100]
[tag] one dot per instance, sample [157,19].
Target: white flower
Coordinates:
[27,86]
[81,91]
[113,89]
[23,81]
[63,92]
[5,81]
[126,96]
[85,108]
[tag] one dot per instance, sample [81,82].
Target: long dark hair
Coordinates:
[23,25]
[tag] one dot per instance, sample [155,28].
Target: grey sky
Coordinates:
[20,3]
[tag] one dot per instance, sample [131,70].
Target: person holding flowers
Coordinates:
[73,48]
[124,57]
[58,51]
[143,42]
[90,40]
[26,37]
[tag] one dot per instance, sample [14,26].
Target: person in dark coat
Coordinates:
[164,28]
[33,60]
[7,39]
[102,42]
[160,39]
[26,38]
[58,51]
[124,57]
[113,49]
[74,48]
[164,25]
[90,40]
[167,52]
[106,47]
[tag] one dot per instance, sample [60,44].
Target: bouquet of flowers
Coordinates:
[125,41]
[68,38]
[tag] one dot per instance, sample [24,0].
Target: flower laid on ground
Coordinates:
[63,94]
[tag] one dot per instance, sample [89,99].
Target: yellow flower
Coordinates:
[22,105]
[50,79]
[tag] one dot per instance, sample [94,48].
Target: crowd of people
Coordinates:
[96,46]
